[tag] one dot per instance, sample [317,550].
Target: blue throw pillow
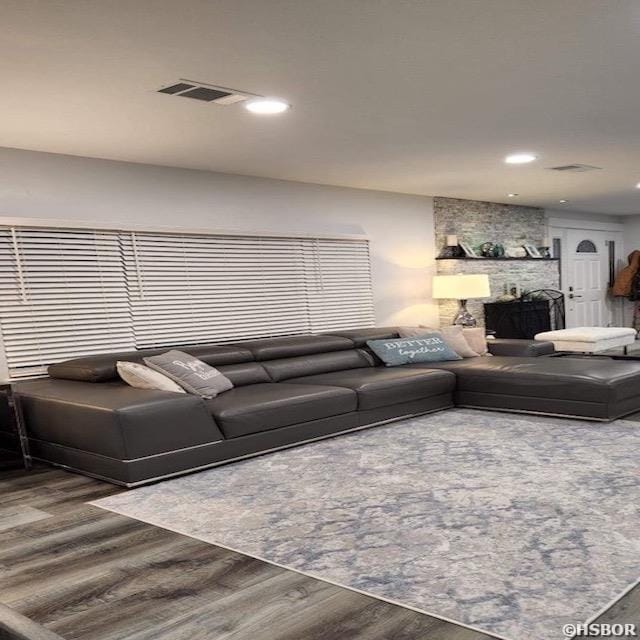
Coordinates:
[429,347]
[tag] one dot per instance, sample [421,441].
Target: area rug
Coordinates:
[511,525]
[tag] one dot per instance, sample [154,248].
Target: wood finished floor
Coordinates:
[89,574]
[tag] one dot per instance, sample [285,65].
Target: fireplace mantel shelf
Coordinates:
[482,258]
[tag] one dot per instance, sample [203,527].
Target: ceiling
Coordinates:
[413,96]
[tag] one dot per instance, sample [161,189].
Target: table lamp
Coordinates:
[462,287]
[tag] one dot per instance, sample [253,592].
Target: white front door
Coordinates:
[586,284]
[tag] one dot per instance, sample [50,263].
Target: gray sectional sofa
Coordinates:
[292,390]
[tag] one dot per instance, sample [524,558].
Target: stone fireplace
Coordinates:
[477,222]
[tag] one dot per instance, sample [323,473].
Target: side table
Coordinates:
[17,425]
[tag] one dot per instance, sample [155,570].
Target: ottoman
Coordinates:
[589,339]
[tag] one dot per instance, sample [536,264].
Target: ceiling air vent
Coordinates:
[575,168]
[205,92]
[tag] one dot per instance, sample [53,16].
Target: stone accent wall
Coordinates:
[510,225]
[478,222]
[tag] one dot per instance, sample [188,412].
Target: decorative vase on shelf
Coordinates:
[492,250]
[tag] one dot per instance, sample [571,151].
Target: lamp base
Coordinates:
[463,317]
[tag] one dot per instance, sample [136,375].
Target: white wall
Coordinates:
[631,226]
[579,216]
[400,227]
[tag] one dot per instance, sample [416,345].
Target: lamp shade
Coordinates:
[461,286]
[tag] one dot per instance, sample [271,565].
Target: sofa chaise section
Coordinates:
[597,389]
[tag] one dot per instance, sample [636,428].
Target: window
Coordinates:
[62,294]
[611,259]
[586,246]
[556,252]
[69,292]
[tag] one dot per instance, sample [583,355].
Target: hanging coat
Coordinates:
[634,292]
[624,280]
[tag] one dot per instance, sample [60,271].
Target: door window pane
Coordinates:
[586,246]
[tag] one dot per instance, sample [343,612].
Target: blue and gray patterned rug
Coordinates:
[510,524]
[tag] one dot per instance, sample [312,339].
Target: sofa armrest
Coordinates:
[514,347]
[113,419]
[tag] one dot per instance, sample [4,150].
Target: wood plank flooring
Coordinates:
[88,574]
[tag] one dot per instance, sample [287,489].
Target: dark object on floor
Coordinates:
[10,459]
[14,444]
[520,319]
[555,299]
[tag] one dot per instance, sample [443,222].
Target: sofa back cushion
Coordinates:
[102,368]
[291,346]
[245,373]
[314,364]
[359,337]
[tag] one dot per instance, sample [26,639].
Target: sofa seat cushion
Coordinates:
[261,407]
[382,387]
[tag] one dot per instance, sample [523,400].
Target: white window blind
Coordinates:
[62,294]
[189,289]
[338,280]
[71,292]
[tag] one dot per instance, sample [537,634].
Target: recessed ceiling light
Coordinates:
[520,158]
[266,106]
[563,201]
[512,195]
[638,185]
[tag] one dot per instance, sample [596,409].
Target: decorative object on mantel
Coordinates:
[451,249]
[512,289]
[491,250]
[532,251]
[545,248]
[469,251]
[515,252]
[462,287]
